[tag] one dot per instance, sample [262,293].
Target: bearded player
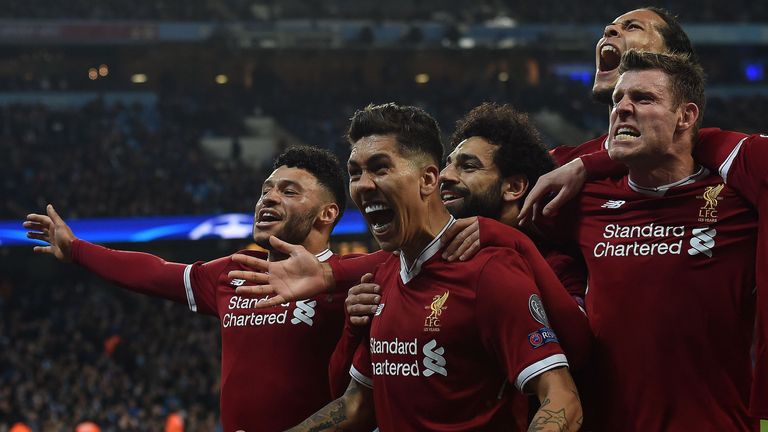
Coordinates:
[443,353]
[271,358]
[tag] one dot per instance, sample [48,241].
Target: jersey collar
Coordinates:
[324,255]
[661,190]
[406,274]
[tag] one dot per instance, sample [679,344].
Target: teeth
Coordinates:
[379,228]
[607,48]
[375,207]
[627,131]
[445,196]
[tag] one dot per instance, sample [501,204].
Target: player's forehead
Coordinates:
[645,16]
[285,176]
[650,81]
[475,147]
[374,148]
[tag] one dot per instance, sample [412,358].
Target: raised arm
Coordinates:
[351,412]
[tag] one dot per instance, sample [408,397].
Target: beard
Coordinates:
[485,203]
[294,229]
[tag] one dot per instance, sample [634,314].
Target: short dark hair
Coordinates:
[323,165]
[520,150]
[686,78]
[675,38]
[415,131]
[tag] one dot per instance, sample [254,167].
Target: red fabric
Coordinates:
[459,332]
[748,174]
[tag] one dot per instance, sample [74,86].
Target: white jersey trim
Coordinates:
[406,274]
[725,168]
[538,368]
[324,255]
[359,377]
[662,190]
[188,288]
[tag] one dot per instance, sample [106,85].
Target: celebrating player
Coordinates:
[447,336]
[273,358]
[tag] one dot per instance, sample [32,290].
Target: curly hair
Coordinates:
[414,129]
[323,165]
[520,150]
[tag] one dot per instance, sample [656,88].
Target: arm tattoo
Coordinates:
[329,418]
[547,419]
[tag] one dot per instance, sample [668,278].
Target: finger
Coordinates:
[38,218]
[361,310]
[255,289]
[254,277]
[458,239]
[368,277]
[53,215]
[253,263]
[367,288]
[43,249]
[366,300]
[281,246]
[471,251]
[270,302]
[465,245]
[533,198]
[456,228]
[33,226]
[557,202]
[359,320]
[38,236]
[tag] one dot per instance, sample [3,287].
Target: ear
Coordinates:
[430,180]
[513,188]
[328,214]
[689,114]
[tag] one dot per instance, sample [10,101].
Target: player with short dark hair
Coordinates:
[435,313]
[273,358]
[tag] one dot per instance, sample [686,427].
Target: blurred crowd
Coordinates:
[462,11]
[79,350]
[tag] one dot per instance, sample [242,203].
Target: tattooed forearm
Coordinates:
[548,420]
[341,415]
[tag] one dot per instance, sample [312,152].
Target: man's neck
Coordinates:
[314,246]
[669,171]
[433,222]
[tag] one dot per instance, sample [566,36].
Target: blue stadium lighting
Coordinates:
[754,72]
[145,229]
[585,77]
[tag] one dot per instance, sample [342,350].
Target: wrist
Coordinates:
[329,283]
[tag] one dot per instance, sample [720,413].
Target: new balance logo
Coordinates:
[434,361]
[703,241]
[613,204]
[237,282]
[303,312]
[379,309]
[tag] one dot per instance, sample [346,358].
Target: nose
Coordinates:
[611,30]
[448,175]
[363,184]
[270,198]
[623,107]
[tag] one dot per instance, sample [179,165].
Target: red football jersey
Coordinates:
[742,161]
[448,338]
[670,301]
[273,361]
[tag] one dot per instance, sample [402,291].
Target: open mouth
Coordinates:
[610,57]
[379,216]
[626,133]
[267,218]
[450,196]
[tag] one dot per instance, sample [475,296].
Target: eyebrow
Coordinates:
[463,157]
[376,158]
[282,183]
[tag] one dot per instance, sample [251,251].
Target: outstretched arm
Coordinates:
[560,408]
[565,182]
[351,412]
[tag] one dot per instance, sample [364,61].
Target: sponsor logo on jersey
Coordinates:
[640,240]
[434,362]
[536,307]
[613,204]
[303,312]
[432,321]
[541,337]
[237,282]
[711,195]
[402,358]
[702,241]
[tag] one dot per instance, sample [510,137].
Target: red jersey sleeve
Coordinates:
[599,165]
[343,355]
[511,319]
[362,369]
[566,315]
[200,281]
[146,274]
[348,270]
[564,154]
